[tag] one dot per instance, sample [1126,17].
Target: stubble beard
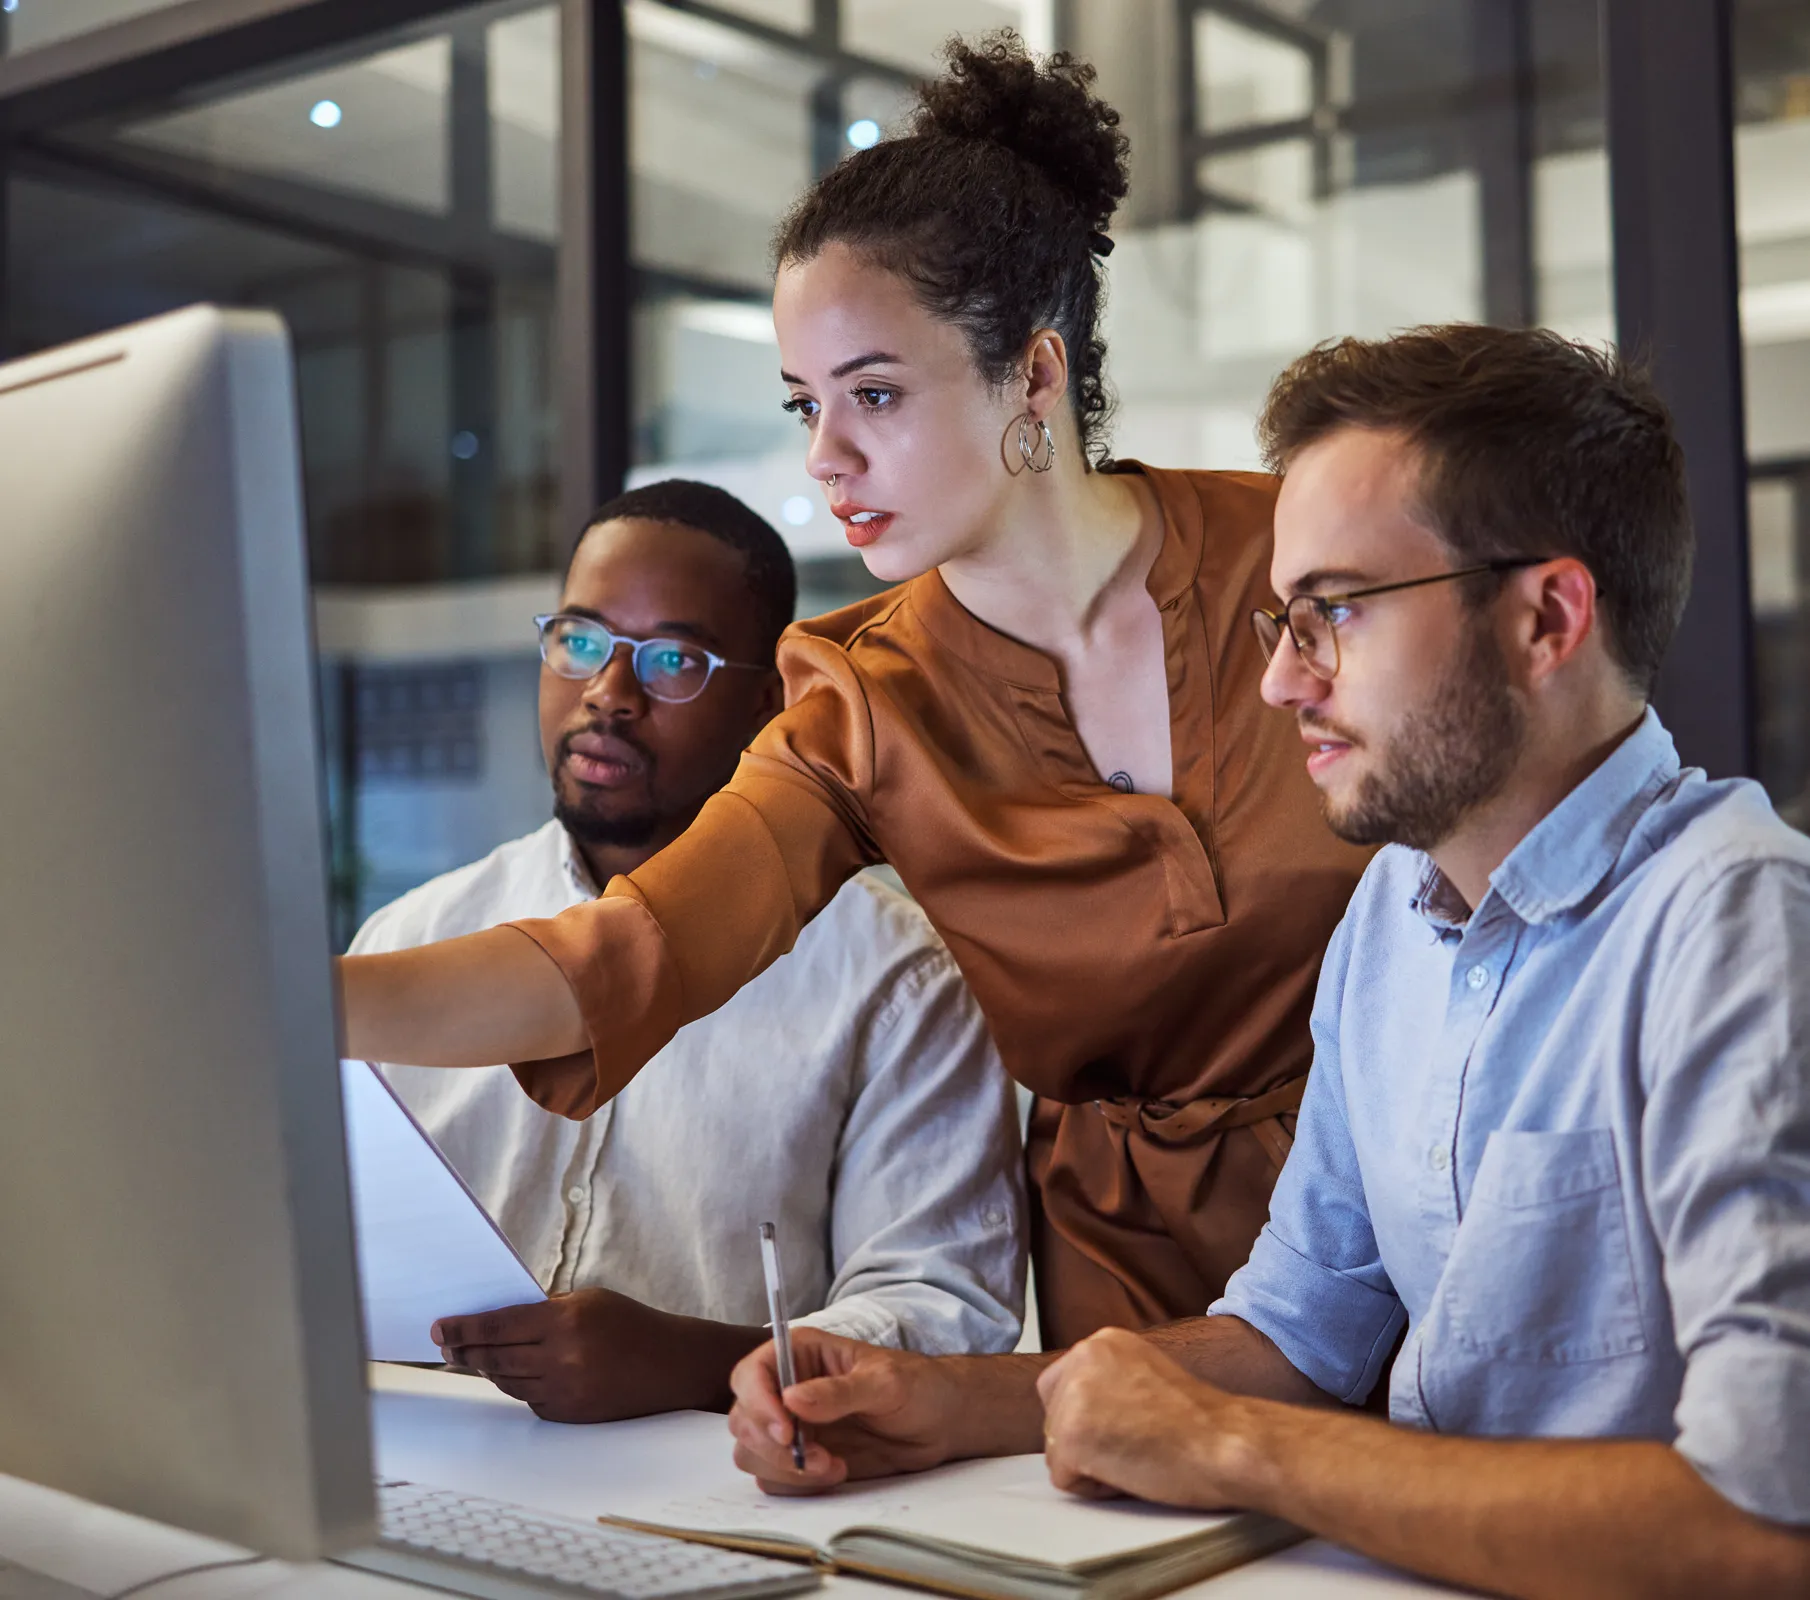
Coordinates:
[629,831]
[1445,758]
[588,816]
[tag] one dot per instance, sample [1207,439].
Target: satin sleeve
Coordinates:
[671,941]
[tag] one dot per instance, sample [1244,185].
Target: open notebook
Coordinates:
[987,1530]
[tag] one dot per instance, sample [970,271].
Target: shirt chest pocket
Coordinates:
[1541,1268]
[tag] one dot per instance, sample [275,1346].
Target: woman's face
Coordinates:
[894,412]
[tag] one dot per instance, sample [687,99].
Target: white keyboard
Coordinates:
[480,1547]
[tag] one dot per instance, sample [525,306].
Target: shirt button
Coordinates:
[993,1216]
[1477,976]
[1437,1158]
[576,1195]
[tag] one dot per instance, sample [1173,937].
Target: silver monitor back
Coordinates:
[179,1329]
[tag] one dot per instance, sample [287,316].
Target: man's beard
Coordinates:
[1446,757]
[630,831]
[586,814]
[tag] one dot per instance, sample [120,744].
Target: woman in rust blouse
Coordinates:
[1050,728]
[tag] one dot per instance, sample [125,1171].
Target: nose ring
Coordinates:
[833,477]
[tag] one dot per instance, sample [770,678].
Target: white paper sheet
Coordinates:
[1007,1505]
[426,1248]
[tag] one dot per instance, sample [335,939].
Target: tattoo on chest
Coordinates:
[1122,782]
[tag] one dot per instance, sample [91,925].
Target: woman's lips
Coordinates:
[862,534]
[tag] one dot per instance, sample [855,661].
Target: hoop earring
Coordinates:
[1030,449]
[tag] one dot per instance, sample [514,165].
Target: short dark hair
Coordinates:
[1532,444]
[772,579]
[993,207]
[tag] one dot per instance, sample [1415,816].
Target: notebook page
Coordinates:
[1006,1505]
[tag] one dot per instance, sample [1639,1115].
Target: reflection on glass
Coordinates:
[427,171]
[910,36]
[792,15]
[373,127]
[885,102]
[720,132]
[1299,172]
[1337,170]
[1244,76]
[398,207]
[27,23]
[523,55]
[1772,156]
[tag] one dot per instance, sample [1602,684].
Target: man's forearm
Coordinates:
[1535,1518]
[993,1408]
[1230,1354]
[472,1002]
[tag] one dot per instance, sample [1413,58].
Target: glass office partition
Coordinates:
[397,204]
[25,24]
[1307,172]
[728,125]
[1300,170]
[911,36]
[1772,179]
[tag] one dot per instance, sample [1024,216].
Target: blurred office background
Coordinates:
[522,248]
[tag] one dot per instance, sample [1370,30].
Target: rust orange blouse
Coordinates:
[1146,964]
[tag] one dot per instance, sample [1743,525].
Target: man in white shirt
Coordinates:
[850,1094]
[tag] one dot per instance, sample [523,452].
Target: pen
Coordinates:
[782,1330]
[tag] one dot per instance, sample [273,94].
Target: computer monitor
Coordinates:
[179,1330]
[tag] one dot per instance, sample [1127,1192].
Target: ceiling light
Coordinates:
[798,510]
[864,134]
[325,114]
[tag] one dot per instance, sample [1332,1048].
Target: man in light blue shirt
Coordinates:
[1558,1125]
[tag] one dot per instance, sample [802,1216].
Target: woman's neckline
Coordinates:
[999,654]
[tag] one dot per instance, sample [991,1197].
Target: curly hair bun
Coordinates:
[1047,114]
[993,206]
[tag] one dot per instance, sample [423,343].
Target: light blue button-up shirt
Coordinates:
[1567,1137]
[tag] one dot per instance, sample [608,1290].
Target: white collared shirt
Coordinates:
[849,1094]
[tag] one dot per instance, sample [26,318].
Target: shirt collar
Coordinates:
[1577,844]
[577,874]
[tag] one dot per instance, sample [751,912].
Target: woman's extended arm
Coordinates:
[472,1002]
[578,1003]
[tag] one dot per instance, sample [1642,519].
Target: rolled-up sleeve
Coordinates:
[1315,1284]
[928,1231]
[673,940]
[1725,1147]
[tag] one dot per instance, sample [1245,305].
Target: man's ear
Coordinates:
[1561,613]
[770,701]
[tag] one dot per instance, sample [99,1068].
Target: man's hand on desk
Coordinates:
[598,1356]
[1544,1519]
[869,1412]
[1121,1417]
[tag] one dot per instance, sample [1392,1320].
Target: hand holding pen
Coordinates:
[782,1329]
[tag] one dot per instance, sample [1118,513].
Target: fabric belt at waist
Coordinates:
[1167,1123]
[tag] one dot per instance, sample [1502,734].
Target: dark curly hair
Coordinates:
[992,205]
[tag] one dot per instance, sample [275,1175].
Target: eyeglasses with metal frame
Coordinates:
[1311,625]
[671,670]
